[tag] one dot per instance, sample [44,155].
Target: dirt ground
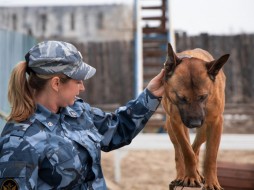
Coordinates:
[154,170]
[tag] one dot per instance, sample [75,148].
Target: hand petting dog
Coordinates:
[155,86]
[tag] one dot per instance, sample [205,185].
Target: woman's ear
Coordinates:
[55,82]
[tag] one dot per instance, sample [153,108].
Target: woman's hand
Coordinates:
[155,86]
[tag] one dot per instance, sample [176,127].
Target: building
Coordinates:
[96,23]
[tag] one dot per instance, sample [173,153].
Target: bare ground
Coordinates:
[154,170]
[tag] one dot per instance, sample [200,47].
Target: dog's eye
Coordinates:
[202,97]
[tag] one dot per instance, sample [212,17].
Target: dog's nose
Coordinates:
[195,123]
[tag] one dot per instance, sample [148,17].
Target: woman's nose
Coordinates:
[82,87]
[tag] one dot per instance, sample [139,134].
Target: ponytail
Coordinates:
[20,94]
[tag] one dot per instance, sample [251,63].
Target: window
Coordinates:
[14,22]
[43,22]
[100,21]
[72,21]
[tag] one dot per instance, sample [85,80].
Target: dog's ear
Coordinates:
[171,62]
[214,67]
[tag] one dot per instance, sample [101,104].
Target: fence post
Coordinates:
[118,156]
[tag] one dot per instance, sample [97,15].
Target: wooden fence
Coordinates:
[114,79]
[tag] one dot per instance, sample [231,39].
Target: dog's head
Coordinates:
[189,83]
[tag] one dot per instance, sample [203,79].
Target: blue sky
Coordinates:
[192,16]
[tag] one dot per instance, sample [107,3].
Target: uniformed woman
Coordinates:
[53,139]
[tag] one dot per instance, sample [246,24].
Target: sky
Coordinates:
[192,16]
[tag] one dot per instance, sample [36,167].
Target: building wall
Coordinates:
[75,23]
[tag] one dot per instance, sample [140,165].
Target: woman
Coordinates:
[52,139]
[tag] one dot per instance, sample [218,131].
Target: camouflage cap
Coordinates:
[52,57]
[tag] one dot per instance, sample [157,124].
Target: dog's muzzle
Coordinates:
[194,123]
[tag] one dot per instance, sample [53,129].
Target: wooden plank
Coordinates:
[155,39]
[154,53]
[236,166]
[154,18]
[241,184]
[152,7]
[153,64]
[173,187]
[236,175]
[149,30]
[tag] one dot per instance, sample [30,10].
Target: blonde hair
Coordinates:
[22,88]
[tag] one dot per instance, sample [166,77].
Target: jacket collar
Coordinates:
[46,117]
[75,110]
[50,119]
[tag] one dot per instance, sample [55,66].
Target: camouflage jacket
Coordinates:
[62,151]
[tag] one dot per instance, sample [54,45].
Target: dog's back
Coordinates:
[197,53]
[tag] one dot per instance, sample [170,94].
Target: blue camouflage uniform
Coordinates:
[62,151]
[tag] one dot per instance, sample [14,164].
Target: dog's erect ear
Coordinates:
[171,62]
[214,67]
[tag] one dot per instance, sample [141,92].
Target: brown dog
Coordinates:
[194,98]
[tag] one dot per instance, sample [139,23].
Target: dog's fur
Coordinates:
[194,98]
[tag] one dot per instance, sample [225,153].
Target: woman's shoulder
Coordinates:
[13,142]
[13,128]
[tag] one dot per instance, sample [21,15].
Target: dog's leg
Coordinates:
[214,131]
[192,178]
[198,141]
[180,170]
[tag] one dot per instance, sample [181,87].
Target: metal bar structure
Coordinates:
[170,28]
[138,49]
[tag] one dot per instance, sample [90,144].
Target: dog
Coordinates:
[194,97]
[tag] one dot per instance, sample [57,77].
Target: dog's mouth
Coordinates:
[193,123]
[192,127]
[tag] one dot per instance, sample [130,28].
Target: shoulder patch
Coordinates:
[9,184]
